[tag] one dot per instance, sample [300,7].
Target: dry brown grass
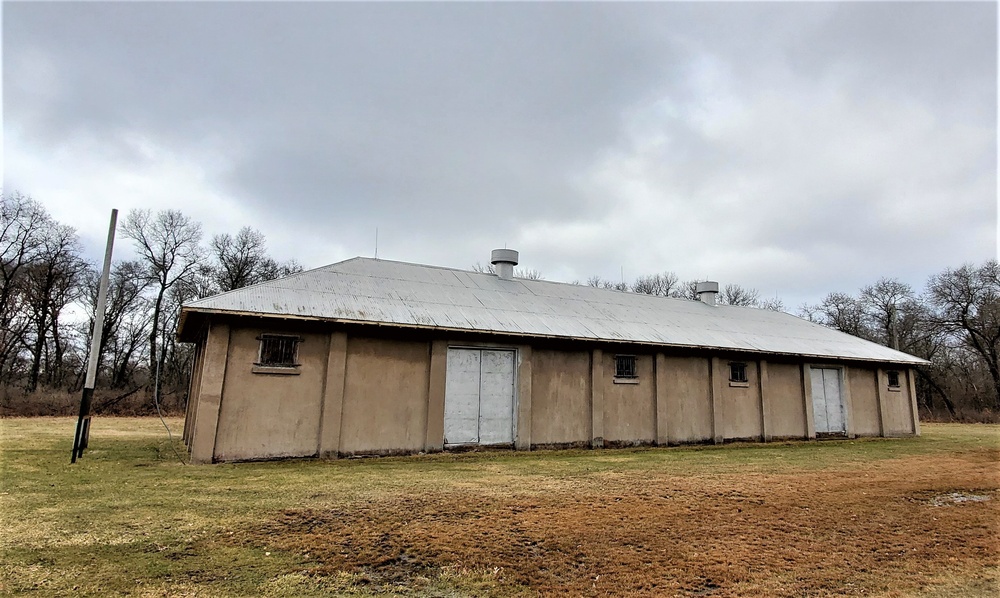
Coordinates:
[872,529]
[835,518]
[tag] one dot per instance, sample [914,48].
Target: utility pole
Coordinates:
[82,437]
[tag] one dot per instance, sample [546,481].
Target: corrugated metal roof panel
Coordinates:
[386,292]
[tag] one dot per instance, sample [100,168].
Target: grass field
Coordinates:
[904,517]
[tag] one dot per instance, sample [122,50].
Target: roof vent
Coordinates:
[706,291]
[504,260]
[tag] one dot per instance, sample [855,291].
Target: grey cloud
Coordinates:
[456,127]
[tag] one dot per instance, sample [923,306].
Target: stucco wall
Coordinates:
[864,401]
[786,401]
[560,397]
[630,409]
[385,396]
[739,405]
[686,393]
[194,390]
[270,415]
[898,415]
[368,395]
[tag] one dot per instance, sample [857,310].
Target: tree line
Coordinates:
[48,297]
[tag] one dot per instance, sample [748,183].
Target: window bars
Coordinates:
[625,366]
[278,351]
[737,372]
[893,378]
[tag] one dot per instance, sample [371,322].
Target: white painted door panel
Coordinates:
[461,402]
[496,398]
[834,401]
[479,397]
[818,400]
[827,400]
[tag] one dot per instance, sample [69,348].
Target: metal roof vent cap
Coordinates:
[504,260]
[706,291]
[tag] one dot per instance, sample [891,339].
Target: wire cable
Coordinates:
[156,401]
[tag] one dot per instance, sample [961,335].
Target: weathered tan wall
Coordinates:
[210,383]
[270,415]
[194,387]
[739,406]
[786,403]
[560,397]
[687,398]
[522,421]
[864,401]
[898,415]
[379,395]
[629,409]
[385,396]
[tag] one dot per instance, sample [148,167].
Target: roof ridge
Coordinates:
[532,280]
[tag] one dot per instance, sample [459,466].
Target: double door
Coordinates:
[479,397]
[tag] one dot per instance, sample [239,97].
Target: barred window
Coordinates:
[893,378]
[278,350]
[625,366]
[737,371]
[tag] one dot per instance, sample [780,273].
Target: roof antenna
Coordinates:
[376,242]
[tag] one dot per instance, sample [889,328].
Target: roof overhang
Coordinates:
[192,321]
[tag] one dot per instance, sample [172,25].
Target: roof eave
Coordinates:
[185,335]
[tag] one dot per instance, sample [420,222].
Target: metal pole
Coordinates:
[83,423]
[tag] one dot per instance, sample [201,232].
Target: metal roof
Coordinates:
[366,290]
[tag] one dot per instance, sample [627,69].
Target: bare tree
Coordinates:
[966,303]
[688,290]
[844,313]
[242,260]
[126,284]
[50,282]
[525,273]
[169,245]
[773,304]
[130,336]
[662,285]
[23,221]
[487,269]
[882,302]
[734,294]
[603,283]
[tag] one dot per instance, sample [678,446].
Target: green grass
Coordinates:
[130,518]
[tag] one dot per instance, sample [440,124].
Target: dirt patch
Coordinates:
[873,529]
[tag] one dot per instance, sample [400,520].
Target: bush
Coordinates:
[15,402]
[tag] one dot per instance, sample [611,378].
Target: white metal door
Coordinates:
[496,398]
[461,397]
[827,399]
[479,397]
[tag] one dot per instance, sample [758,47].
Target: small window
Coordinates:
[625,366]
[737,371]
[893,378]
[278,351]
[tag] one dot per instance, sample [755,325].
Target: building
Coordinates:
[373,356]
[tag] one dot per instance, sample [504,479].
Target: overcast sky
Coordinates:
[799,148]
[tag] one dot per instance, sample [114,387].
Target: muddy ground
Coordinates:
[893,527]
